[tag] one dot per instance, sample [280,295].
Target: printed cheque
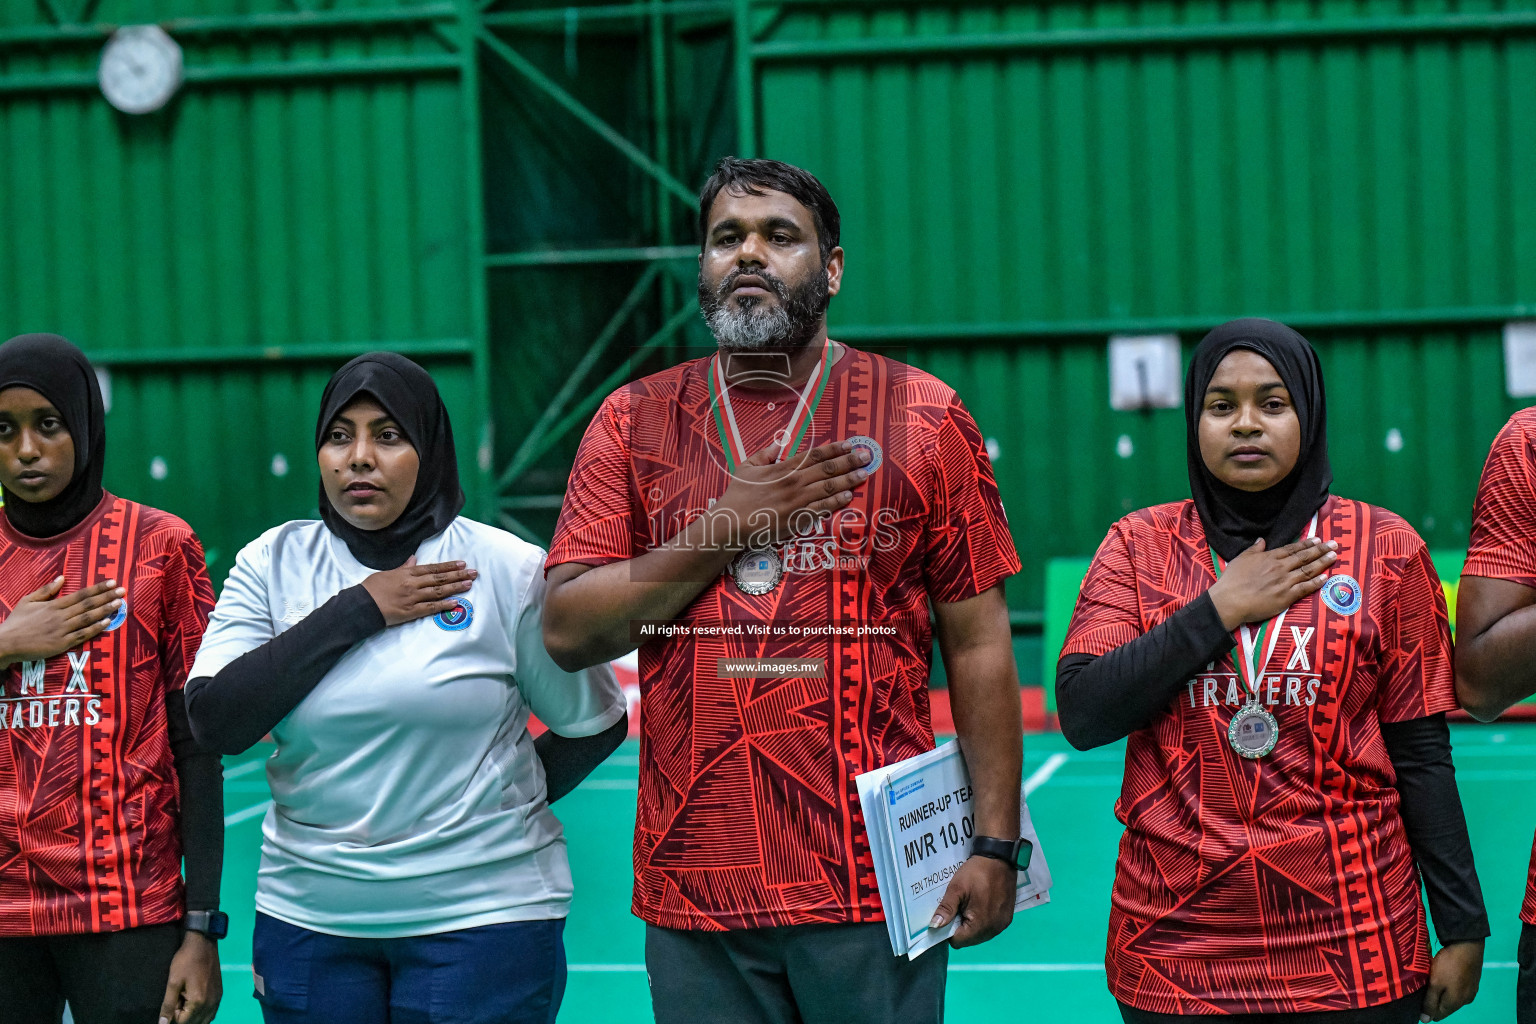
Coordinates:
[920,820]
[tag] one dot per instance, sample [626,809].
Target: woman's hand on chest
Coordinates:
[44,625]
[414,591]
[1259,584]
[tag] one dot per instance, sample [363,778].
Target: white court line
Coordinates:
[579,968]
[964,968]
[606,968]
[1511,750]
[244,769]
[998,968]
[1009,968]
[1040,776]
[1025,968]
[247,814]
[1088,780]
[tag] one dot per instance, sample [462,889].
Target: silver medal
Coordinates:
[758,572]
[1253,731]
[869,444]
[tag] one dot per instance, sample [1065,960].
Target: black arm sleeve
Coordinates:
[201,780]
[1420,749]
[234,709]
[568,760]
[1102,699]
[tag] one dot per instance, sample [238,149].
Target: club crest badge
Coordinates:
[120,618]
[457,618]
[868,444]
[1342,594]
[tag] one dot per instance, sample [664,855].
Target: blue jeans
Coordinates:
[499,974]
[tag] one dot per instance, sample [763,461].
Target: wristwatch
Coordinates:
[1013,852]
[212,923]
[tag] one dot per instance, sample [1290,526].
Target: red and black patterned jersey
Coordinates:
[748,812]
[1283,884]
[1503,544]
[89,805]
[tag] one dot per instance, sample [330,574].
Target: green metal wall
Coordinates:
[1019,181]
[305,198]
[503,190]
[489,186]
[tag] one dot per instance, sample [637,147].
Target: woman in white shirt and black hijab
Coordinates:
[411,868]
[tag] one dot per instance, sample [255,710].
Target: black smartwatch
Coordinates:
[212,923]
[1013,852]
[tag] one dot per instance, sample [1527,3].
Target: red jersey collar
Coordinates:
[10,534]
[1323,512]
[845,359]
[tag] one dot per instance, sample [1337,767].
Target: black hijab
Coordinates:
[59,372]
[407,393]
[1234,519]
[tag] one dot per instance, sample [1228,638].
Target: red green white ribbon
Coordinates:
[790,437]
[1249,666]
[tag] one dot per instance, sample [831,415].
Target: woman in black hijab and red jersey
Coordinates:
[1281,661]
[103,791]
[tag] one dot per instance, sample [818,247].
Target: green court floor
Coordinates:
[1046,968]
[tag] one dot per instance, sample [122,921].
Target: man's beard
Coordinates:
[748,325]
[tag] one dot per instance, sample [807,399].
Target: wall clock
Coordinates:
[140,69]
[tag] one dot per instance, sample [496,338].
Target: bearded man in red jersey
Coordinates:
[796,500]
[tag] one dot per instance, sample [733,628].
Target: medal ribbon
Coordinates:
[799,421]
[1249,666]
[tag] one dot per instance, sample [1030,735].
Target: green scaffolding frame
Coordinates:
[665,268]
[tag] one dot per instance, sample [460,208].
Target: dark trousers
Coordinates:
[1400,1011]
[107,977]
[499,974]
[805,974]
[1525,981]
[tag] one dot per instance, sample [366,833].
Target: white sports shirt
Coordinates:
[407,797]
